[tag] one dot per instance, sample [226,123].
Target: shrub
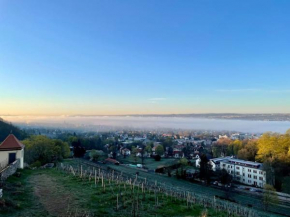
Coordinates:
[36,164]
[46,150]
[157,157]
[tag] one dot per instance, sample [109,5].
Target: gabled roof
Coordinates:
[112,161]
[11,143]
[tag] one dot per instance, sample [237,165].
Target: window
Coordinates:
[238,173]
[237,168]
[249,181]
[254,171]
[249,170]
[261,178]
[249,176]
[255,177]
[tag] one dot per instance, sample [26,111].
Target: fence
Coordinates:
[9,170]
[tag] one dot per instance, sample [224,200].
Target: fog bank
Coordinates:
[153,123]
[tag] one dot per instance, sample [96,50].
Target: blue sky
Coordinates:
[132,57]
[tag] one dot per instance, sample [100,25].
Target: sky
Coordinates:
[109,57]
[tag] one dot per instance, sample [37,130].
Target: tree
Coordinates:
[221,148]
[224,177]
[157,157]
[269,196]
[205,168]
[273,146]
[249,151]
[45,150]
[95,155]
[62,149]
[78,149]
[186,150]
[183,162]
[148,148]
[142,154]
[159,150]
[134,153]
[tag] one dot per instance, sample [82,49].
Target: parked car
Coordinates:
[228,185]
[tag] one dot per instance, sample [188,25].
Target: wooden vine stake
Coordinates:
[95,178]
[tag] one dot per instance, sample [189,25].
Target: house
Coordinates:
[125,151]
[112,161]
[214,162]
[178,154]
[11,150]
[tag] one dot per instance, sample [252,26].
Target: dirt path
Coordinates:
[55,199]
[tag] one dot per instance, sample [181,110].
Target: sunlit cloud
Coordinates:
[156,100]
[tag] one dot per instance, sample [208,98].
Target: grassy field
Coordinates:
[149,162]
[286,185]
[49,192]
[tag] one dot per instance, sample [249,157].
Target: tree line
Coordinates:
[271,149]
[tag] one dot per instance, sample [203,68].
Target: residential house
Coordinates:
[125,151]
[11,150]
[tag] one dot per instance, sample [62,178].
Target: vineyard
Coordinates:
[133,196]
[84,189]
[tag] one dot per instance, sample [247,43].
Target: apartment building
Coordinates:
[246,172]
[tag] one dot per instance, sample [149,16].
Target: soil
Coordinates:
[54,198]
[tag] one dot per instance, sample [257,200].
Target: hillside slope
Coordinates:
[6,128]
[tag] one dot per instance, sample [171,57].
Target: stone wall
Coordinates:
[9,170]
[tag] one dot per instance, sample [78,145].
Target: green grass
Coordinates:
[19,199]
[286,185]
[87,197]
[149,162]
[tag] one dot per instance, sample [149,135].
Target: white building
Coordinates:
[246,172]
[215,162]
[11,150]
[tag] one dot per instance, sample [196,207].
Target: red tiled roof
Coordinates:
[112,160]
[11,143]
